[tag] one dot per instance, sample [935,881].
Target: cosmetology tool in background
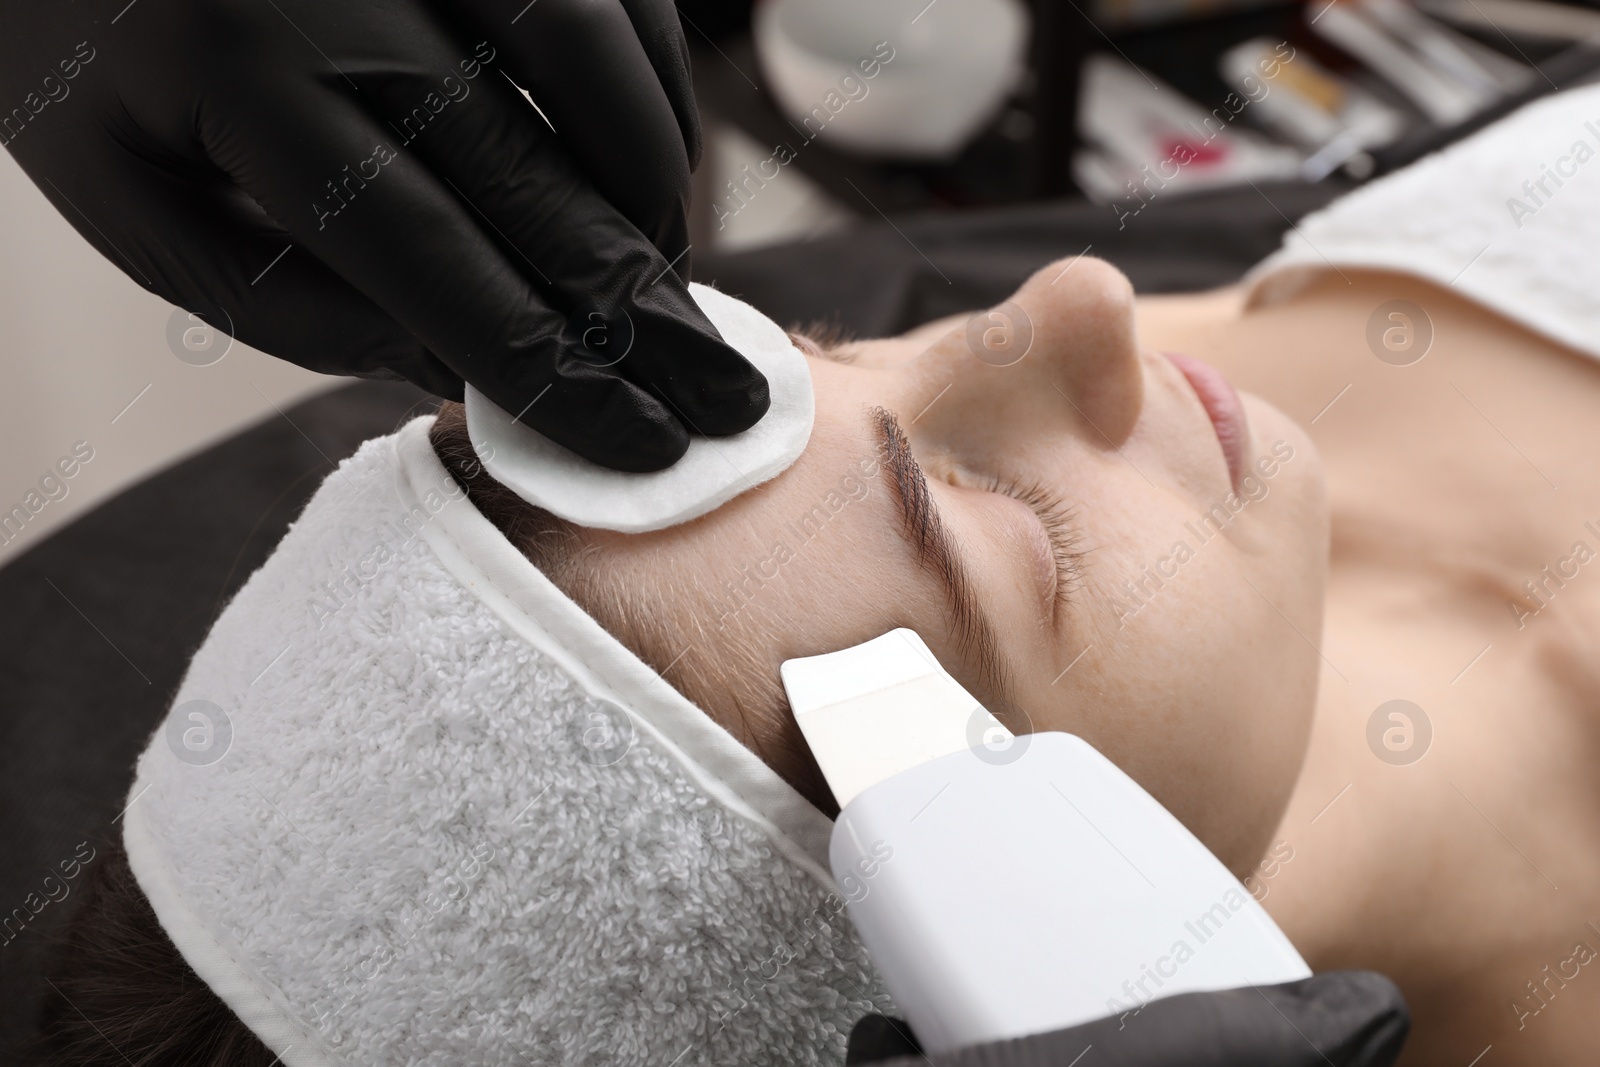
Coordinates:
[949,69]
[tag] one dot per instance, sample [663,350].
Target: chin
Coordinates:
[1285,556]
[1287,489]
[1268,426]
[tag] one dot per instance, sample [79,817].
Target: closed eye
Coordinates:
[1060,523]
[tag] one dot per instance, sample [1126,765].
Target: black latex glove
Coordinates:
[436,228]
[1343,1018]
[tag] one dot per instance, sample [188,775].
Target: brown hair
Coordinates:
[121,994]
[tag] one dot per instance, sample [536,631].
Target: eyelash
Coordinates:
[1060,525]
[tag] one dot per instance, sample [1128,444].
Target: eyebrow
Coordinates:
[936,551]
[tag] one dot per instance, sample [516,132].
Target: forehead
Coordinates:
[817,550]
[835,494]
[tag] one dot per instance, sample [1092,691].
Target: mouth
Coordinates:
[1224,408]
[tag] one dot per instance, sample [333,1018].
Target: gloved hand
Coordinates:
[1343,1018]
[354,185]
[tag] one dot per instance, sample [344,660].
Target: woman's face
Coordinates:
[1061,521]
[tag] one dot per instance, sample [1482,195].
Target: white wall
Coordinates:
[79,340]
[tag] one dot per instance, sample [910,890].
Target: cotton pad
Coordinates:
[711,473]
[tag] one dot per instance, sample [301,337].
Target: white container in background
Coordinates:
[939,71]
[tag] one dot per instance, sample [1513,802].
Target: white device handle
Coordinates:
[1003,885]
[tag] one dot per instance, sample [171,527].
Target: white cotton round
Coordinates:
[711,473]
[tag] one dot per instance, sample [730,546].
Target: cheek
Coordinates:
[1200,687]
[1208,707]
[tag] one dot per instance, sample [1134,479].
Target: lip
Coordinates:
[1222,405]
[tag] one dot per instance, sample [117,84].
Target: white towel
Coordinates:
[430,812]
[1473,217]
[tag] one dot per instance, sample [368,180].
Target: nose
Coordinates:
[1064,344]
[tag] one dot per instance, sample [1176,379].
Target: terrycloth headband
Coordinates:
[413,805]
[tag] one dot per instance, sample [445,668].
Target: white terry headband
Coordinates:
[712,472]
[413,805]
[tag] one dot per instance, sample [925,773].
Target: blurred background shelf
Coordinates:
[1033,148]
[874,244]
